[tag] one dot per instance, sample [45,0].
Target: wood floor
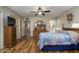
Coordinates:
[29,45]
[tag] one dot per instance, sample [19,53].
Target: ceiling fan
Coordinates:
[40,11]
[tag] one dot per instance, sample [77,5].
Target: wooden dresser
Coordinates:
[39,27]
[37,32]
[9,36]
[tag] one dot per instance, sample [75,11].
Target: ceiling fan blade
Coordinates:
[32,11]
[36,14]
[43,14]
[47,11]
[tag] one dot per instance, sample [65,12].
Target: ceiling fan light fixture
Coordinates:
[39,9]
[40,13]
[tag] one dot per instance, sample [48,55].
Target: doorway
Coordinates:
[27,28]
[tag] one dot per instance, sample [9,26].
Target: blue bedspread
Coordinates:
[54,38]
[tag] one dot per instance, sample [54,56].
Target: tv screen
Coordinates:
[11,21]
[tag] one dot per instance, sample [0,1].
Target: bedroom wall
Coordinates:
[75,12]
[1,29]
[22,27]
[7,12]
[34,19]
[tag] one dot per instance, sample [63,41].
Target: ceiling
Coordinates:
[25,10]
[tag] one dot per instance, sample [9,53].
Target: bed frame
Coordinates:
[62,47]
[72,29]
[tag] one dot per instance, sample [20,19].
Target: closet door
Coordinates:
[27,28]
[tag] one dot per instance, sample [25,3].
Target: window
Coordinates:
[52,23]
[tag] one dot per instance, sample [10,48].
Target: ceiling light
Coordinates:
[40,13]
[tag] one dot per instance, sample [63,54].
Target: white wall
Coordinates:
[1,30]
[22,27]
[34,19]
[18,31]
[75,12]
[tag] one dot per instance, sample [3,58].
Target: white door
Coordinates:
[1,30]
[27,28]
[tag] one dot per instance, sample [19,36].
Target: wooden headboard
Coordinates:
[72,29]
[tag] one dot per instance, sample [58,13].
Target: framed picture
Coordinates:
[40,24]
[69,17]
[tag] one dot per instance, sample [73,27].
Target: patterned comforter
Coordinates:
[58,38]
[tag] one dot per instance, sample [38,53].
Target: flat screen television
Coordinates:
[11,21]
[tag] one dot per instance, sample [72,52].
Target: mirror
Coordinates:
[40,24]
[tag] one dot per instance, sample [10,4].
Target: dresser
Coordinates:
[39,27]
[37,32]
[9,36]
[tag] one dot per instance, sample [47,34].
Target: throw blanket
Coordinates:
[58,38]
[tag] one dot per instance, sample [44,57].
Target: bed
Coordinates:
[61,40]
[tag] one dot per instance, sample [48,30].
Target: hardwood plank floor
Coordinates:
[29,45]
